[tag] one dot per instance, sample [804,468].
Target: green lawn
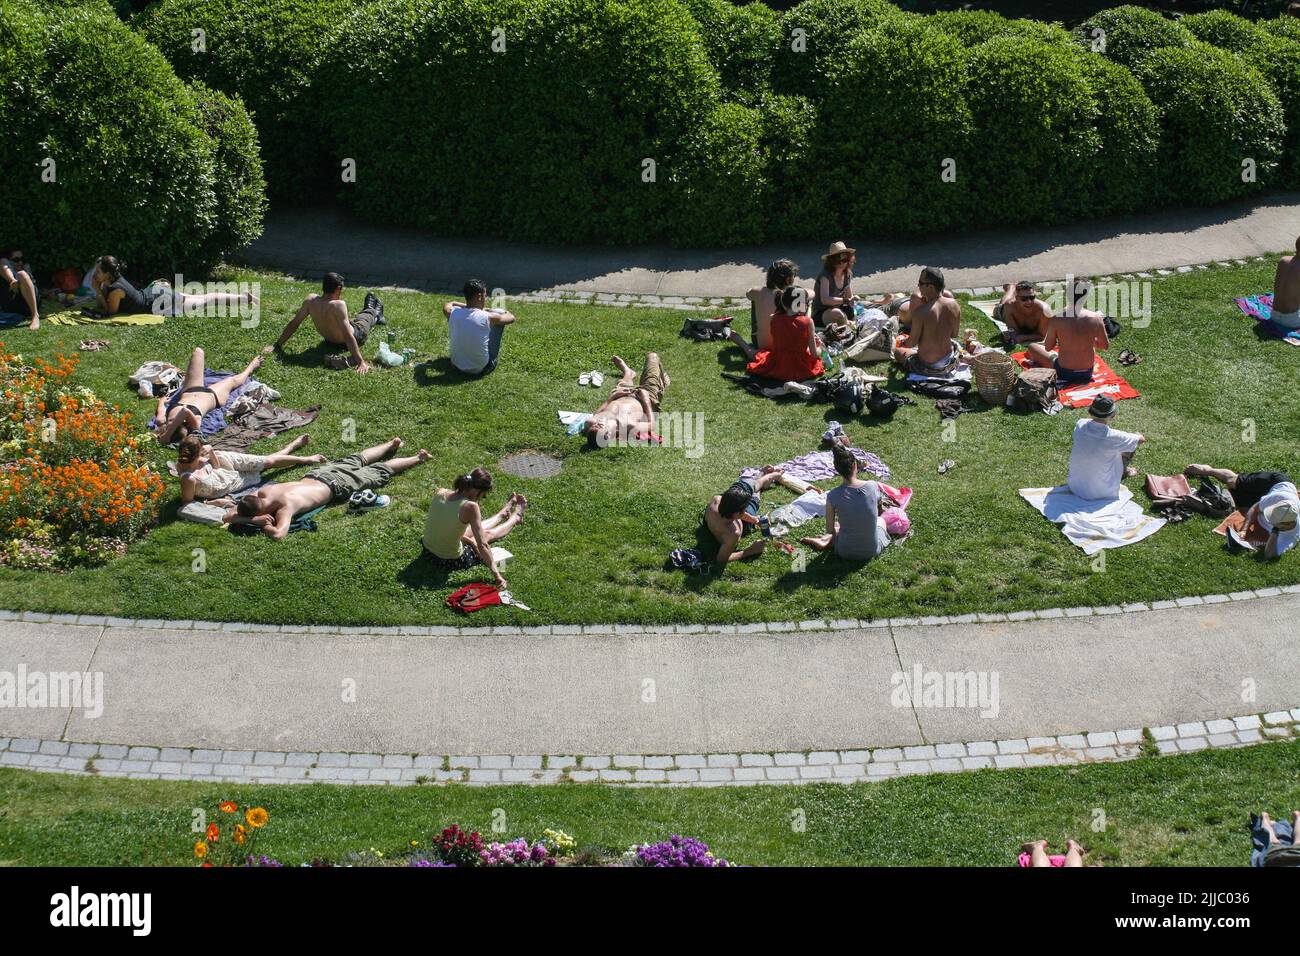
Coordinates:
[594,544]
[1188,810]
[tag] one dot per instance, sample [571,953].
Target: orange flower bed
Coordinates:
[74,485]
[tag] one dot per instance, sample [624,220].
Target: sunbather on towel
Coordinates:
[734,513]
[1071,340]
[1266,497]
[209,474]
[457,536]
[1100,455]
[852,513]
[628,415]
[115,295]
[273,509]
[17,290]
[1286,291]
[329,313]
[186,416]
[1024,314]
[935,317]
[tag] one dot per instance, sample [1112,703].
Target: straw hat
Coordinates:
[835,249]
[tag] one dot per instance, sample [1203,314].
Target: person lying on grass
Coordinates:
[1037,853]
[1286,291]
[457,536]
[795,355]
[1269,847]
[1023,312]
[628,415]
[734,513]
[1100,454]
[934,316]
[855,531]
[329,313]
[273,509]
[115,295]
[1266,498]
[474,333]
[209,474]
[17,290]
[1072,338]
[183,417]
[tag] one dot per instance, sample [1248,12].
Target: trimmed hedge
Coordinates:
[136,172]
[827,28]
[741,42]
[973,27]
[1128,34]
[1128,123]
[265,52]
[1215,111]
[1284,26]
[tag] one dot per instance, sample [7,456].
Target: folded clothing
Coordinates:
[1094,525]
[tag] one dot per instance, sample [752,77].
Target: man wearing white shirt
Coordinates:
[474,332]
[1265,497]
[1100,455]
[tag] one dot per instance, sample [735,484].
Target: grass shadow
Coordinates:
[440,371]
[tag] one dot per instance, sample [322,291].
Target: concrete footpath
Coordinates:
[667,693]
[309,242]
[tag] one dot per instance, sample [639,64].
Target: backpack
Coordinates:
[873,346]
[884,403]
[941,388]
[850,397]
[706,330]
[1209,499]
[1034,390]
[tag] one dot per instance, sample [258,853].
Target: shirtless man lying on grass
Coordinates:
[329,313]
[628,415]
[1072,339]
[273,509]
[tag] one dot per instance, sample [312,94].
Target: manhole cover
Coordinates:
[530,464]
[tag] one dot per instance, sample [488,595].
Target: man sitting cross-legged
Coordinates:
[1023,312]
[935,316]
[1072,338]
[734,513]
[1267,498]
[629,413]
[273,509]
[329,313]
[1100,455]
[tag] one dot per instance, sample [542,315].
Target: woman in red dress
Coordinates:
[793,356]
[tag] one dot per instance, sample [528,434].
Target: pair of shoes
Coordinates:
[373,303]
[592,378]
[366,501]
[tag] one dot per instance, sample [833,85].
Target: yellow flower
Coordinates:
[200,849]
[256,817]
[240,833]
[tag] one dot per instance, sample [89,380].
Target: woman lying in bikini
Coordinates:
[195,399]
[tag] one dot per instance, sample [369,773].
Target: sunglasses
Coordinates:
[1027,298]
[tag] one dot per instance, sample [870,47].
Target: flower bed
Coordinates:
[75,488]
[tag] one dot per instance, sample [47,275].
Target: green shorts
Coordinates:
[349,475]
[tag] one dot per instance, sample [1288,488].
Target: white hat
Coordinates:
[836,249]
[1282,513]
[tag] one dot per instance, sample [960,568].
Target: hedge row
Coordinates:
[104,150]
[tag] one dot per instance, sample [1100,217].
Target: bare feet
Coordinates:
[36,322]
[254,365]
[1032,845]
[1130,472]
[1073,845]
[298,442]
[395,444]
[316,459]
[622,366]
[423,454]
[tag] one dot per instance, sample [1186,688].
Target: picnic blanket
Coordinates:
[820,466]
[1094,525]
[215,420]
[263,422]
[1104,382]
[75,317]
[1260,308]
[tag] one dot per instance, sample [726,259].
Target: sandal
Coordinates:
[1129,357]
[946,466]
[584,378]
[597,380]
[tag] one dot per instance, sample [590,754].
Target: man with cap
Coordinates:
[935,317]
[1266,497]
[1100,455]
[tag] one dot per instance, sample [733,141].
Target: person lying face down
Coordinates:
[628,415]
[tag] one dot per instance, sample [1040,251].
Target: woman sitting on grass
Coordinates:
[456,536]
[209,474]
[856,532]
[183,417]
[794,355]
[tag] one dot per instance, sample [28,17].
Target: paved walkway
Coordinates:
[662,693]
[310,242]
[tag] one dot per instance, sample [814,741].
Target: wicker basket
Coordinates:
[995,374]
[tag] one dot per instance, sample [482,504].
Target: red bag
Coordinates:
[474,597]
[67,280]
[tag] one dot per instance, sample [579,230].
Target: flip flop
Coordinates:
[597,379]
[1129,357]
[946,466]
[584,378]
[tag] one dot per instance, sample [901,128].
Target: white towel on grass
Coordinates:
[1094,524]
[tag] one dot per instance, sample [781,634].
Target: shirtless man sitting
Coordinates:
[1286,291]
[329,313]
[273,509]
[734,513]
[629,412]
[1072,338]
[935,315]
[1025,315]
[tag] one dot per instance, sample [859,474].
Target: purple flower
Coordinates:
[677,851]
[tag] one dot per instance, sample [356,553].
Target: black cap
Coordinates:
[1103,406]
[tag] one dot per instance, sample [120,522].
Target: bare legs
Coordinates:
[193,304]
[1040,356]
[1223,475]
[285,457]
[499,525]
[818,542]
[194,371]
[27,289]
[628,378]
[1037,850]
[223,388]
[750,351]
[399,465]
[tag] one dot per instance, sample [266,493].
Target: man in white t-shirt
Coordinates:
[475,332]
[1100,455]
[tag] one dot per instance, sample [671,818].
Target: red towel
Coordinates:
[1101,375]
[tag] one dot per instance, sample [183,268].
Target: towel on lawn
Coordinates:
[573,421]
[1104,382]
[1260,308]
[75,317]
[215,420]
[809,505]
[263,422]
[819,466]
[1094,524]
[1255,534]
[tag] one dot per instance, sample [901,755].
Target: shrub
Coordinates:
[239,185]
[973,27]
[78,87]
[1223,29]
[74,484]
[1284,26]
[1215,112]
[741,42]
[266,52]
[828,26]
[793,207]
[1130,33]
[443,137]
[1036,139]
[1123,173]
[720,188]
